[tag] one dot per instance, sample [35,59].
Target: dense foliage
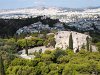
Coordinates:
[2,71]
[32,42]
[8,45]
[57,62]
[50,41]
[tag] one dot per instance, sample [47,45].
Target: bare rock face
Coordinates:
[62,40]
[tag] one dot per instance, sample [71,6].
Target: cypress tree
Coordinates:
[88,45]
[70,42]
[26,47]
[2,71]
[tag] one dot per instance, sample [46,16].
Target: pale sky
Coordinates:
[12,4]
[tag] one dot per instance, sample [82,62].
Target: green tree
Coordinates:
[21,43]
[40,43]
[2,71]
[21,70]
[88,43]
[63,59]
[26,47]
[50,41]
[70,42]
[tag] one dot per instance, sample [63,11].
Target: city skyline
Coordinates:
[13,4]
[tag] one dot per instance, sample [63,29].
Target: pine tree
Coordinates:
[88,45]
[26,47]
[2,71]
[70,42]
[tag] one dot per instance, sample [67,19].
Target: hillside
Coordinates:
[50,41]
[8,27]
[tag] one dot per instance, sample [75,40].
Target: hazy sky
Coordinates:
[11,4]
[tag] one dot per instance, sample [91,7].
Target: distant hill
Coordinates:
[8,27]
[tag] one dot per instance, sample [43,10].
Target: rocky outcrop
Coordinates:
[62,40]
